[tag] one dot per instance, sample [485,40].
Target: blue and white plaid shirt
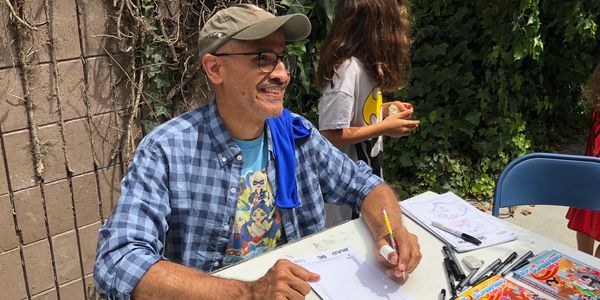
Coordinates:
[178,199]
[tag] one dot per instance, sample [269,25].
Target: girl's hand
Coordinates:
[398,106]
[399,124]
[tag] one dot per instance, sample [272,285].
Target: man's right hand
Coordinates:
[285,280]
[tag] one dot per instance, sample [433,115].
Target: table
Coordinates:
[429,277]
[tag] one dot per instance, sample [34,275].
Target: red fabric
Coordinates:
[584,220]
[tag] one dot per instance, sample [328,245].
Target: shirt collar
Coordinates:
[222,141]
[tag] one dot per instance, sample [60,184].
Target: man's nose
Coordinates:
[280,72]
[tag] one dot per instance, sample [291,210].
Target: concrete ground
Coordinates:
[545,220]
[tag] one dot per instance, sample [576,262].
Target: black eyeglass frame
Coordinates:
[288,60]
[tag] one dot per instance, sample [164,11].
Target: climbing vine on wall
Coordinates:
[491,80]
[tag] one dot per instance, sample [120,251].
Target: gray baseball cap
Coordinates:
[249,22]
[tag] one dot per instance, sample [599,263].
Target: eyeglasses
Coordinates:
[267,60]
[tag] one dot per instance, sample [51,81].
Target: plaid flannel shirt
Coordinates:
[178,198]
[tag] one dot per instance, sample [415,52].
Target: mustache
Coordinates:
[273,82]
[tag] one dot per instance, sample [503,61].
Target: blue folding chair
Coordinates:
[550,179]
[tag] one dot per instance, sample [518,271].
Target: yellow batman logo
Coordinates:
[372,107]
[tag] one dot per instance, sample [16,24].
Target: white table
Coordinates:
[429,277]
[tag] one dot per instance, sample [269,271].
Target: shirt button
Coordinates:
[223,159]
[226,227]
[232,190]
[239,157]
[216,264]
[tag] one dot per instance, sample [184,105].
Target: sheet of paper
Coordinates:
[347,275]
[454,212]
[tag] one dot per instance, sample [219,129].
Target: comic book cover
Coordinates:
[498,288]
[561,276]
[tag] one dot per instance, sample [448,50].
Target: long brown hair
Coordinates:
[591,90]
[376,32]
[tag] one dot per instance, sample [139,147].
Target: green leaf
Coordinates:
[329,6]
[473,117]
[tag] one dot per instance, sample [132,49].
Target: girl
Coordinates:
[586,222]
[366,52]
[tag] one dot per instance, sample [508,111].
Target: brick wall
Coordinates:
[49,223]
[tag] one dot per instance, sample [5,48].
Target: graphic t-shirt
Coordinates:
[352,100]
[257,224]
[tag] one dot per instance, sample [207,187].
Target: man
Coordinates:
[235,178]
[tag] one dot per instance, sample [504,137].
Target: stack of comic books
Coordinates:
[497,288]
[561,276]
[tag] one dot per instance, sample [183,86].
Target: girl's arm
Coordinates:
[396,125]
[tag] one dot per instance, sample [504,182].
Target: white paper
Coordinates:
[454,212]
[347,275]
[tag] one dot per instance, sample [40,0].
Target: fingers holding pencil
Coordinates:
[402,262]
[409,253]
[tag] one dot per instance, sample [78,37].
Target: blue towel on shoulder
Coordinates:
[285,129]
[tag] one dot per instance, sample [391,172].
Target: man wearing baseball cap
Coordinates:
[236,178]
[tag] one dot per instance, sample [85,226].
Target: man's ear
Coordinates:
[213,68]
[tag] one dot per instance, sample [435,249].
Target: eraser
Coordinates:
[385,251]
[472,262]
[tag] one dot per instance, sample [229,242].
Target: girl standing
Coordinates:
[587,222]
[366,52]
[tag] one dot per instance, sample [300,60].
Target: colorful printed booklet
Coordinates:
[561,276]
[454,212]
[498,288]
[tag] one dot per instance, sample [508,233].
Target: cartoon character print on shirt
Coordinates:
[371,111]
[257,225]
[371,114]
[257,183]
[260,233]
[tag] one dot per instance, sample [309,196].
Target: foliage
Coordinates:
[162,36]
[491,80]
[301,97]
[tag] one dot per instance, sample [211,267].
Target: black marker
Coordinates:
[517,262]
[442,295]
[447,264]
[482,279]
[485,271]
[454,267]
[461,273]
[469,238]
[523,263]
[507,261]
[465,282]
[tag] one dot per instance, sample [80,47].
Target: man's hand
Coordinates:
[406,259]
[285,280]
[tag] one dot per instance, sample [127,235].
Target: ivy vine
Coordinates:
[491,80]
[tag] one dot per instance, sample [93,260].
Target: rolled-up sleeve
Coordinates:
[133,238]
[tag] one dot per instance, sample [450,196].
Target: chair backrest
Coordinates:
[549,178]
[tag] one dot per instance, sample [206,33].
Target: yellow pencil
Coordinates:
[389,228]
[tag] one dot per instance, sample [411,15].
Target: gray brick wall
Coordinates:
[48,229]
